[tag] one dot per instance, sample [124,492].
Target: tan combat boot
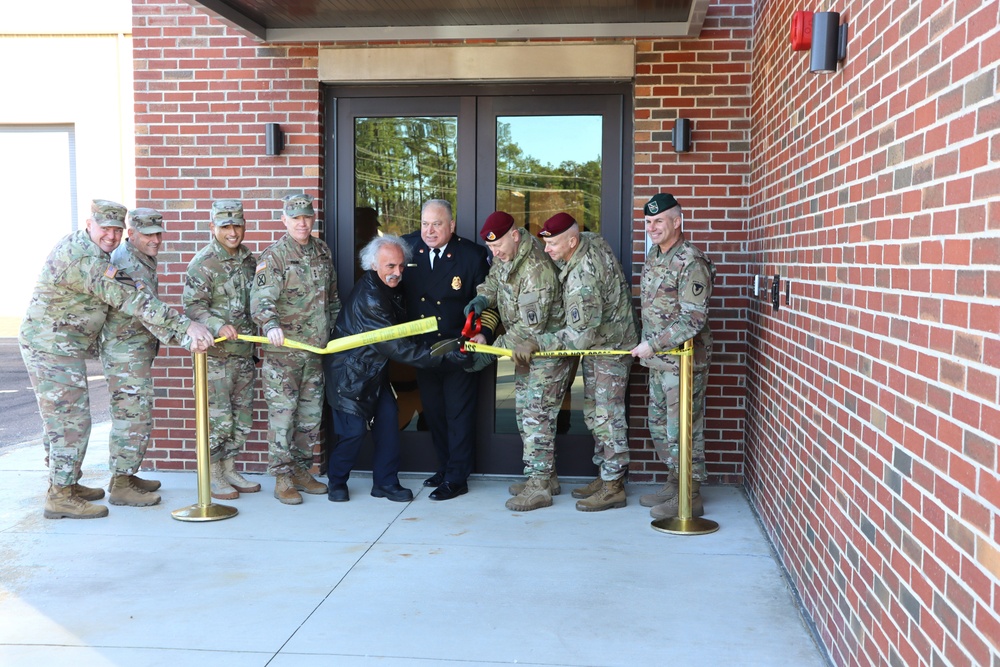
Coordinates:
[667,493]
[589,490]
[610,496]
[221,489]
[62,503]
[235,479]
[554,488]
[123,492]
[144,484]
[669,509]
[304,481]
[535,495]
[87,492]
[285,491]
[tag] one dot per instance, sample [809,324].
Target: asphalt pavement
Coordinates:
[21,422]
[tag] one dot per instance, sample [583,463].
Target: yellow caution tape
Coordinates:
[504,352]
[414,328]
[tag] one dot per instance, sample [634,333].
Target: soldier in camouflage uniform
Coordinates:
[294,293]
[217,294]
[127,352]
[599,315]
[523,285]
[676,287]
[77,285]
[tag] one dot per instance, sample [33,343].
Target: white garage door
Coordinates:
[37,185]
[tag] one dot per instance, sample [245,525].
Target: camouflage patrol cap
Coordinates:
[659,203]
[107,213]
[298,204]
[146,221]
[227,212]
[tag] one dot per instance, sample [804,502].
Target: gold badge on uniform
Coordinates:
[456,283]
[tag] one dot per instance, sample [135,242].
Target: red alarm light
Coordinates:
[802,31]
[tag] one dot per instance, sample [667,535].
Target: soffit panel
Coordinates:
[364,20]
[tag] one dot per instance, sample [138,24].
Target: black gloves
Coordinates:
[477,304]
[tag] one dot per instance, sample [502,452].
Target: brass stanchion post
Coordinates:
[205,510]
[684,523]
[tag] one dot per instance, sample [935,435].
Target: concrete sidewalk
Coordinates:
[371,582]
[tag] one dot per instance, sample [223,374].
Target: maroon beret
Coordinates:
[556,225]
[498,224]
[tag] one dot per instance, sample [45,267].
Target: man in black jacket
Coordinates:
[358,380]
[441,279]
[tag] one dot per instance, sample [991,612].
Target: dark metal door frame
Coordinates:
[497,453]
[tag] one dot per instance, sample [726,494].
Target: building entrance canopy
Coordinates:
[365,20]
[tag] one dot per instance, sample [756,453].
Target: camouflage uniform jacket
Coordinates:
[295,288]
[676,288]
[77,285]
[526,292]
[122,331]
[217,293]
[597,301]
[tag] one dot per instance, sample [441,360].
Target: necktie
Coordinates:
[435,256]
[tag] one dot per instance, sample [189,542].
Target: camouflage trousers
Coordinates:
[293,389]
[130,382]
[605,380]
[664,418]
[60,385]
[538,395]
[230,404]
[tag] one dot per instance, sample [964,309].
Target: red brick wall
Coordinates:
[871,443]
[202,95]
[706,80]
[204,92]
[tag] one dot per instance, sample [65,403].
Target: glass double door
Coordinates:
[529,154]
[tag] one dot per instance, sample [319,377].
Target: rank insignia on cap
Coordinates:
[456,283]
[111,272]
[653,207]
[491,237]
[261,267]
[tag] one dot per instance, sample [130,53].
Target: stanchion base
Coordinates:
[210,512]
[678,526]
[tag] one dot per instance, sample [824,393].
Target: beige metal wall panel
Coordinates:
[522,62]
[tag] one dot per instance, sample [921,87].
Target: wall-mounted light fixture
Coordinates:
[274,139]
[682,135]
[829,42]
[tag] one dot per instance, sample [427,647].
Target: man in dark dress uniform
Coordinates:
[440,280]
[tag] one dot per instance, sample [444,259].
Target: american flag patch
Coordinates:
[111,272]
[261,267]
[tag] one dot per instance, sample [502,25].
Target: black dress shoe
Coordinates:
[449,490]
[437,479]
[338,493]
[393,492]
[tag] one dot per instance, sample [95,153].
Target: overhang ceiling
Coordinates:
[373,20]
